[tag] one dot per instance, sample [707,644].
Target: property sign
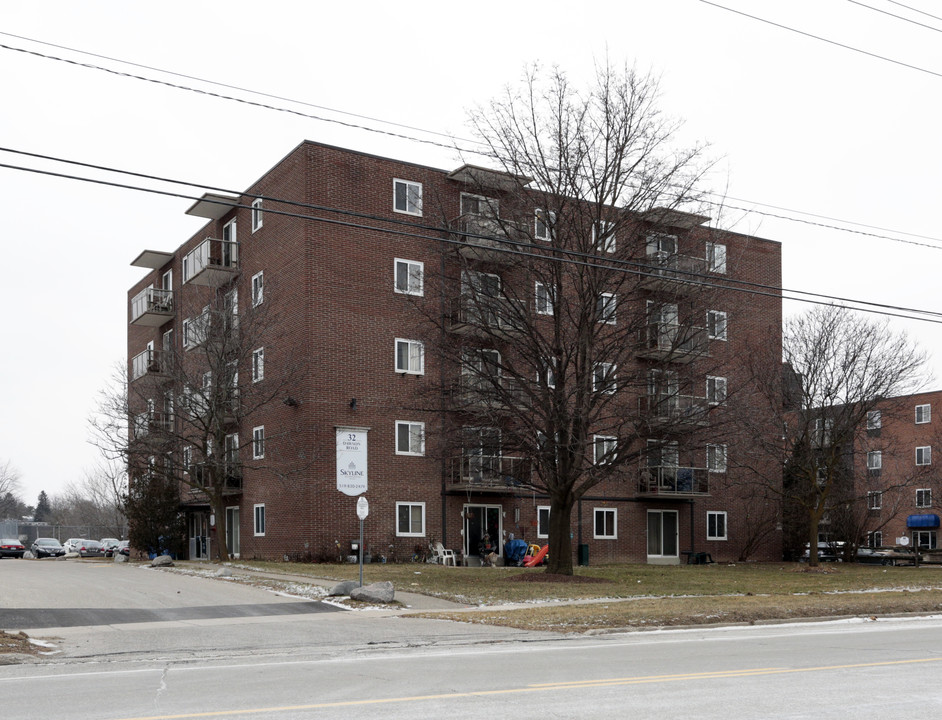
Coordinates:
[351,461]
[363,508]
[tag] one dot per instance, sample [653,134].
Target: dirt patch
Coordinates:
[555,578]
[16,643]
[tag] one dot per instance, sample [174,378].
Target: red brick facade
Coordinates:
[327,248]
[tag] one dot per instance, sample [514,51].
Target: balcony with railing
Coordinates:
[673,342]
[488,473]
[152,307]
[151,363]
[152,423]
[475,393]
[680,412]
[486,238]
[201,475]
[480,316]
[213,263]
[673,481]
[670,272]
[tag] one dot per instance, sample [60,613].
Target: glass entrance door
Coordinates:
[478,521]
[232,531]
[662,537]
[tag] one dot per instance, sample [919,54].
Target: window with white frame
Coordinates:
[874,459]
[874,420]
[716,390]
[604,447]
[716,524]
[542,521]
[410,438]
[542,300]
[716,458]
[189,338]
[605,308]
[603,378]
[256,214]
[923,414]
[410,356]
[410,519]
[543,224]
[549,372]
[875,539]
[874,499]
[924,455]
[229,239]
[716,324]
[258,364]
[924,498]
[716,257]
[924,539]
[407,197]
[258,442]
[606,524]
[603,236]
[258,289]
[259,519]
[409,277]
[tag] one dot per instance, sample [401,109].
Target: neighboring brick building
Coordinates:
[357,273]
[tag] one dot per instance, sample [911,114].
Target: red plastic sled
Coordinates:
[538,558]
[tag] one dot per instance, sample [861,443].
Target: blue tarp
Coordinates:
[514,550]
[918,521]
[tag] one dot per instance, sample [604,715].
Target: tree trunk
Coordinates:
[218,504]
[813,541]
[559,559]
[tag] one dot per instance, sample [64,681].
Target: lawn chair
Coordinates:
[442,556]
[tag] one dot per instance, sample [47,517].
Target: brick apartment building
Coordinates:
[366,278]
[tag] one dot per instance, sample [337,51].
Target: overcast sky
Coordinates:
[817,129]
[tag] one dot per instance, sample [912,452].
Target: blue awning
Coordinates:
[917,521]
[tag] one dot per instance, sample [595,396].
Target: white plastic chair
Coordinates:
[441,555]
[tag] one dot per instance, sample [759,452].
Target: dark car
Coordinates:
[47,547]
[827,552]
[109,544]
[10,547]
[91,548]
[124,548]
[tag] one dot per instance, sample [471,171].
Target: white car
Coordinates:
[72,545]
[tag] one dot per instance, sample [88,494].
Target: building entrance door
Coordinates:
[199,536]
[232,531]
[478,521]
[662,537]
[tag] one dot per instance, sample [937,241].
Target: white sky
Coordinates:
[799,123]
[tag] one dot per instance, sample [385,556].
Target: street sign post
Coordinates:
[363,509]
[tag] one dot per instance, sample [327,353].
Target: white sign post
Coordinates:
[363,509]
[352,477]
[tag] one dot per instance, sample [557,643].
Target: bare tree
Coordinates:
[839,367]
[180,414]
[544,312]
[9,490]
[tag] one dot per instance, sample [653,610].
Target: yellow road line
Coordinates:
[541,687]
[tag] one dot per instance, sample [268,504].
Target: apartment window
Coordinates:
[606,524]
[716,390]
[410,438]
[229,236]
[923,414]
[258,442]
[409,275]
[542,521]
[716,324]
[258,289]
[716,525]
[875,539]
[603,237]
[259,524]
[605,308]
[924,498]
[874,420]
[258,364]
[874,499]
[924,455]
[189,339]
[716,257]
[924,539]
[604,449]
[603,378]
[410,357]
[256,214]
[543,300]
[550,373]
[874,459]
[410,519]
[716,458]
[407,197]
[543,224]
[822,431]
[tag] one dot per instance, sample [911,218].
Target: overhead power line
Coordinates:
[508,246]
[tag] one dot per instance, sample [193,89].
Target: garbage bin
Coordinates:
[584,555]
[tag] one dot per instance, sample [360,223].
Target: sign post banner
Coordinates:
[352,476]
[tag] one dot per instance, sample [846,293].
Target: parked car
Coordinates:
[47,547]
[109,544]
[72,545]
[124,548]
[887,556]
[91,548]
[827,552]
[11,547]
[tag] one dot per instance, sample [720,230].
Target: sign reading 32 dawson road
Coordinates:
[351,460]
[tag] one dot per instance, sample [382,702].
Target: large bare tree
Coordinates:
[544,309]
[839,367]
